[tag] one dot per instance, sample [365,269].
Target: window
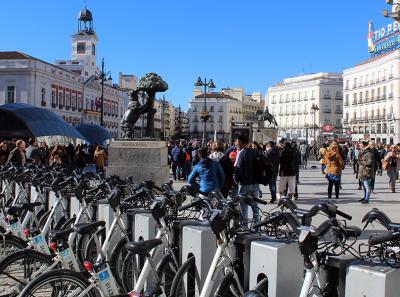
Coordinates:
[53,98]
[67,102]
[93,49]
[43,102]
[60,99]
[212,108]
[10,94]
[81,47]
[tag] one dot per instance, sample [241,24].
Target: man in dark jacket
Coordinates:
[246,176]
[366,170]
[17,156]
[273,154]
[176,159]
[287,170]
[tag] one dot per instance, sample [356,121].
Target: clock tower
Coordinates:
[84,44]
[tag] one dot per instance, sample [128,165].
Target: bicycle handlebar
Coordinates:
[384,238]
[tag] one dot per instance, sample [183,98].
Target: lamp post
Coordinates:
[306,126]
[205,116]
[103,77]
[314,109]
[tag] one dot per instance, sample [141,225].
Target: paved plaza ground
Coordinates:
[313,189]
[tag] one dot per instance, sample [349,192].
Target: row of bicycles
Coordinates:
[49,248]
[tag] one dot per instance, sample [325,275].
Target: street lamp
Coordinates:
[204,116]
[395,13]
[306,126]
[314,109]
[103,77]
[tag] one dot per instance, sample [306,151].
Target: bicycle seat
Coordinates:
[88,228]
[143,247]
[60,234]
[16,210]
[352,231]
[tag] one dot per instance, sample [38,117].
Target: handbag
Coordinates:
[385,164]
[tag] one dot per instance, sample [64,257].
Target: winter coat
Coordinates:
[274,155]
[288,163]
[334,163]
[366,163]
[16,158]
[99,158]
[246,167]
[210,173]
[177,155]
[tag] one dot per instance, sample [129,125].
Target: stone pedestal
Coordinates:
[264,135]
[143,160]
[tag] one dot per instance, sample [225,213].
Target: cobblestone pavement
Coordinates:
[313,189]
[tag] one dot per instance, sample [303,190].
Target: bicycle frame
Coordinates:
[311,274]
[149,265]
[222,251]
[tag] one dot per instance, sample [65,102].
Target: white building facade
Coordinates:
[223,110]
[305,104]
[70,87]
[372,89]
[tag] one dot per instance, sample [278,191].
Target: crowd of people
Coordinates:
[68,156]
[243,165]
[367,159]
[239,168]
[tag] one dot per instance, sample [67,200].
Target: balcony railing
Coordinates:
[327,111]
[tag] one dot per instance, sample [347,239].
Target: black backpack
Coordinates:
[265,169]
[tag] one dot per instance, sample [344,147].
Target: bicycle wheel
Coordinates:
[228,287]
[19,268]
[117,261]
[131,267]
[59,283]
[10,243]
[90,248]
[166,270]
[186,282]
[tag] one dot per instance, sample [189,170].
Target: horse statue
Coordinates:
[265,116]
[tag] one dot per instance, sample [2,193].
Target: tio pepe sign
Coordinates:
[385,39]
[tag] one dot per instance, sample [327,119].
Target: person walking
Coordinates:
[287,171]
[366,170]
[217,154]
[273,154]
[382,155]
[392,166]
[304,154]
[210,173]
[246,176]
[321,155]
[176,158]
[99,159]
[334,166]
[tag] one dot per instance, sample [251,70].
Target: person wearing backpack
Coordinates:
[273,154]
[176,159]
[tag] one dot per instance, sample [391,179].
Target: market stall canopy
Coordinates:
[94,133]
[20,120]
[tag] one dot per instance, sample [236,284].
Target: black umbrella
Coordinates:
[94,133]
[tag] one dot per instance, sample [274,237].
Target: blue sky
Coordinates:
[248,43]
